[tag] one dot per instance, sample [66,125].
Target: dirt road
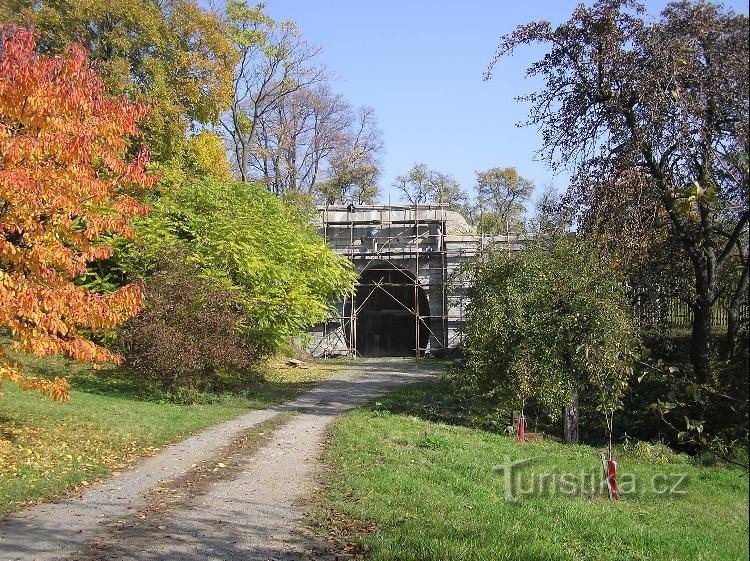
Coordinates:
[232,492]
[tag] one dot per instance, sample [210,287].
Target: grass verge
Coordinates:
[405,487]
[49,448]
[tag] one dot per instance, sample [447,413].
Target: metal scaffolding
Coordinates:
[409,243]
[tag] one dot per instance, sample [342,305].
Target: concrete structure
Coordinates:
[411,295]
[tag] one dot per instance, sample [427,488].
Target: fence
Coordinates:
[653,310]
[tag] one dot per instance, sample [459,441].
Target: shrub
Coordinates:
[188,332]
[668,403]
[653,452]
[547,323]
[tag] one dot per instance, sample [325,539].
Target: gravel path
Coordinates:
[250,510]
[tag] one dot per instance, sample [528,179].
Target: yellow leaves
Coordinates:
[70,453]
[207,156]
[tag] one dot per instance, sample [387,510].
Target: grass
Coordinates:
[405,487]
[48,448]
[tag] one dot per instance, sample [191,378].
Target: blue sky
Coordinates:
[420,65]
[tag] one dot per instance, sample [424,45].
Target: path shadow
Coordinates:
[189,538]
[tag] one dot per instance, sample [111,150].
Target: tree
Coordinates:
[275,62]
[354,168]
[296,138]
[172,57]
[502,196]
[544,325]
[351,181]
[207,156]
[444,189]
[66,181]
[550,214]
[620,213]
[423,185]
[258,246]
[415,185]
[668,97]
[285,126]
[313,142]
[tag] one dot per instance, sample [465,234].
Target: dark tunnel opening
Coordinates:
[387,303]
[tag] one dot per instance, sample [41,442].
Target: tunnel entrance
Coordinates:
[392,313]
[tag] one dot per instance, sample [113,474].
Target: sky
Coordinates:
[420,65]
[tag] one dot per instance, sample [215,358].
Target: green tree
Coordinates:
[415,184]
[444,189]
[350,182]
[502,195]
[545,324]
[668,97]
[173,57]
[423,185]
[258,246]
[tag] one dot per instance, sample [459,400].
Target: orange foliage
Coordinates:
[65,179]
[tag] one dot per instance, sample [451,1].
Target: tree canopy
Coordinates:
[424,185]
[545,323]
[502,195]
[666,99]
[173,57]
[66,183]
[258,246]
[285,126]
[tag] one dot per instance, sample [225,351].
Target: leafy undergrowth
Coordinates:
[49,448]
[403,487]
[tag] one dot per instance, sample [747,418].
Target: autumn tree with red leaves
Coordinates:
[67,178]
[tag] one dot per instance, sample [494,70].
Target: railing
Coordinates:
[652,310]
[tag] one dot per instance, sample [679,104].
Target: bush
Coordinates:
[667,403]
[188,332]
[653,452]
[545,324]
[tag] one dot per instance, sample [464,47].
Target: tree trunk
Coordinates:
[700,350]
[570,420]
[243,164]
[732,345]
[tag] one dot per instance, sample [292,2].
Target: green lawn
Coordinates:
[402,487]
[48,448]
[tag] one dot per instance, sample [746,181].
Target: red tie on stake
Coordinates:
[521,428]
[609,465]
[611,475]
